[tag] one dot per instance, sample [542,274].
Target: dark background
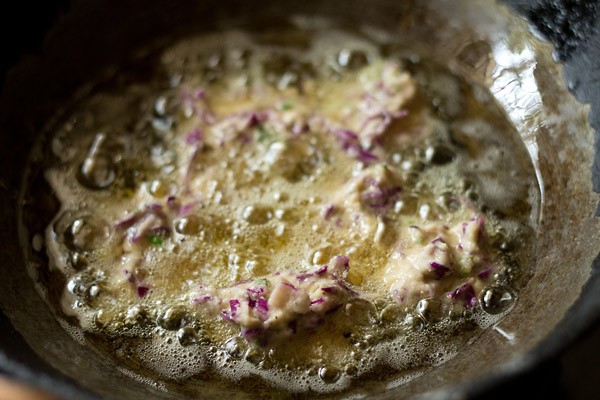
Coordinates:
[573,27]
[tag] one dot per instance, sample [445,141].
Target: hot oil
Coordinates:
[124,147]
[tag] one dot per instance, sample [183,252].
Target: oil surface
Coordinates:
[309,208]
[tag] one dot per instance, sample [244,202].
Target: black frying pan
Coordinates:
[93,34]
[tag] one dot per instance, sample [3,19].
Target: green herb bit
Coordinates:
[286,105]
[156,239]
[467,265]
[263,281]
[264,135]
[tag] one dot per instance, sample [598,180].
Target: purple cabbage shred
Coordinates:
[251,303]
[185,209]
[142,291]
[256,291]
[249,333]
[199,300]
[483,274]
[321,270]
[289,285]
[320,300]
[379,197]
[226,316]
[439,270]
[328,212]
[262,306]
[154,207]
[343,260]
[194,137]
[304,276]
[233,305]
[351,145]
[466,293]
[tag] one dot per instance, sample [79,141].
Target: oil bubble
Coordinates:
[189,225]
[254,355]
[257,214]
[429,310]
[391,313]
[329,374]
[187,336]
[172,317]
[352,59]
[361,312]
[350,369]
[97,170]
[86,233]
[235,346]
[496,299]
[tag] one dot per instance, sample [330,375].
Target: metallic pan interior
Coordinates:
[476,36]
